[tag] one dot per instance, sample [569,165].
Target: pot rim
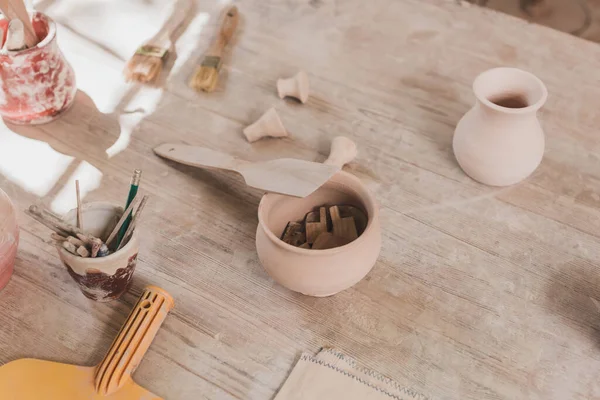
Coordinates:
[315,253]
[133,241]
[523,110]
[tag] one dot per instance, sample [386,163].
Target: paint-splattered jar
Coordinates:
[36,84]
[9,238]
[101,278]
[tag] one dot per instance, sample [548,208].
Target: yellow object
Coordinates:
[30,379]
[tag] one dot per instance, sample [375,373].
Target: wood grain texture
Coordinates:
[479,292]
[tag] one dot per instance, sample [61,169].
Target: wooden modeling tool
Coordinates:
[15,36]
[342,227]
[135,183]
[207,75]
[126,214]
[30,379]
[134,221]
[79,218]
[146,64]
[16,10]
[286,175]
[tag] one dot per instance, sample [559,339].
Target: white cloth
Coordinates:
[333,375]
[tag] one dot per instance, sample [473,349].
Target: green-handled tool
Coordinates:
[135,183]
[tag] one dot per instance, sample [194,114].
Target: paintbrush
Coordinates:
[206,76]
[146,64]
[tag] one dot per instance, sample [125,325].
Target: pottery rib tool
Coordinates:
[146,64]
[16,10]
[135,183]
[286,175]
[28,379]
[206,76]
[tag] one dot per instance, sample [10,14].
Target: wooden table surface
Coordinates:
[479,292]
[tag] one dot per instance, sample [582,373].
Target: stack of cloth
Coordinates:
[332,375]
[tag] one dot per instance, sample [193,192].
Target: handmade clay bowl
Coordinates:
[102,278]
[317,273]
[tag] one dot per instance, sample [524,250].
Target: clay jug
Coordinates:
[499,141]
[9,238]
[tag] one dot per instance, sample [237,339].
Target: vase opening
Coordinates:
[510,90]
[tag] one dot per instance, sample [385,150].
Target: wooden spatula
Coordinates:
[286,175]
[30,379]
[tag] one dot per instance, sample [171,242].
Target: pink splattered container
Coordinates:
[36,84]
[9,238]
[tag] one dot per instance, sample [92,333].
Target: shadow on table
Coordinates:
[574,295]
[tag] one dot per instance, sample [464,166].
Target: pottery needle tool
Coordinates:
[16,10]
[136,218]
[146,64]
[79,219]
[121,221]
[135,183]
[207,74]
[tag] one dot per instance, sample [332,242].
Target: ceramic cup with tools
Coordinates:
[318,272]
[101,278]
[38,84]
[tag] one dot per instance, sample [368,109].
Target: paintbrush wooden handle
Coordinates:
[227,28]
[343,150]
[133,340]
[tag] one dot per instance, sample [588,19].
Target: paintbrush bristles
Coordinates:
[205,78]
[143,68]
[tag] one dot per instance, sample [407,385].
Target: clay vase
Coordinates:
[102,278]
[37,84]
[500,142]
[318,272]
[9,238]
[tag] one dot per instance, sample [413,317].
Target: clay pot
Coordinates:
[9,238]
[38,83]
[102,278]
[317,272]
[499,141]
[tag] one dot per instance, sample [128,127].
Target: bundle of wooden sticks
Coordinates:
[76,241]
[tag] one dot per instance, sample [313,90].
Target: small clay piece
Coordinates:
[70,247]
[77,242]
[343,150]
[83,252]
[328,240]
[342,227]
[294,234]
[269,125]
[305,245]
[316,223]
[360,218]
[296,87]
